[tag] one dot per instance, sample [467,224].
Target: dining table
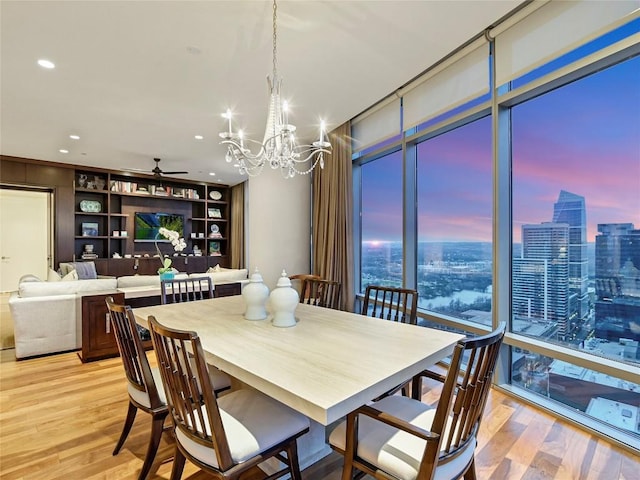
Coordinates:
[325,366]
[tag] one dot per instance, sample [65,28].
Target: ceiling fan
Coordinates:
[157,171]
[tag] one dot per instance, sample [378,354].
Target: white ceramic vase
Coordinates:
[255,295]
[284,301]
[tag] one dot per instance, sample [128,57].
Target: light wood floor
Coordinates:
[60,419]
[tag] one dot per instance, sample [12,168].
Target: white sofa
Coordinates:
[47,315]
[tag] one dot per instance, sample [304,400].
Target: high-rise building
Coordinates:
[541,276]
[617,309]
[570,209]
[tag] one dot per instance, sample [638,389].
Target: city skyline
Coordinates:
[583,138]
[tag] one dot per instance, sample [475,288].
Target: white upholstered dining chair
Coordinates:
[223,436]
[402,438]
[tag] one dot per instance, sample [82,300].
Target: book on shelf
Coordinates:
[120,186]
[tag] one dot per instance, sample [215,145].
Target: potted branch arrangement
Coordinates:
[166,272]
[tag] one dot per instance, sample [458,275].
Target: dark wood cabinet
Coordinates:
[98,341]
[97,337]
[227,289]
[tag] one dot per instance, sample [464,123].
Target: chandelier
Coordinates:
[279,148]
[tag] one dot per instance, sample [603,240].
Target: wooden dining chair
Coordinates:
[390,303]
[394,304]
[321,293]
[186,289]
[189,290]
[298,279]
[403,438]
[224,436]
[144,385]
[146,391]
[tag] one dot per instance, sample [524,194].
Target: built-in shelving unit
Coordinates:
[106,204]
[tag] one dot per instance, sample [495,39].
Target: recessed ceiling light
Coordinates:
[46,63]
[213,174]
[74,137]
[198,137]
[62,150]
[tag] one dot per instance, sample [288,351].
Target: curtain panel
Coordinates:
[237,226]
[332,229]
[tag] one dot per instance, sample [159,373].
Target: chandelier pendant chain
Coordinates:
[275,40]
[279,148]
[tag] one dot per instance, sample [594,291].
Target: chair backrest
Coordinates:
[186,289]
[132,353]
[190,396]
[389,303]
[321,292]
[464,395]
[298,279]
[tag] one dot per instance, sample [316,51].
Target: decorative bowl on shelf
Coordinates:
[215,195]
[90,206]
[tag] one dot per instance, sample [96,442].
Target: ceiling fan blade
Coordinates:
[172,173]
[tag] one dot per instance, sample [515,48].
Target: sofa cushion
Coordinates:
[54,276]
[127,281]
[225,275]
[40,289]
[29,278]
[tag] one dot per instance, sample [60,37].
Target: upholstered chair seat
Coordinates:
[142,396]
[252,422]
[396,452]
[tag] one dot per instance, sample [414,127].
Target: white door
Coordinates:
[25,235]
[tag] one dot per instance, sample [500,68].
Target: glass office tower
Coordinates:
[541,277]
[570,209]
[617,309]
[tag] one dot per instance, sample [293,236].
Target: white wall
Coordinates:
[278,227]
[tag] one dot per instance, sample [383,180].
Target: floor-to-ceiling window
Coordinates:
[576,239]
[381,221]
[454,185]
[526,207]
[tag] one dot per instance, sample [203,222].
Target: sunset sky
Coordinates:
[583,138]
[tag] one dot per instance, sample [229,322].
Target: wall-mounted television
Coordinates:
[147,226]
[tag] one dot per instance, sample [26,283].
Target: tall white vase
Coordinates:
[284,301]
[255,295]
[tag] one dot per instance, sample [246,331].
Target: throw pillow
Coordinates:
[69,277]
[86,270]
[53,276]
[214,269]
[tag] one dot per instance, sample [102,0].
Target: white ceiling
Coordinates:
[138,79]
